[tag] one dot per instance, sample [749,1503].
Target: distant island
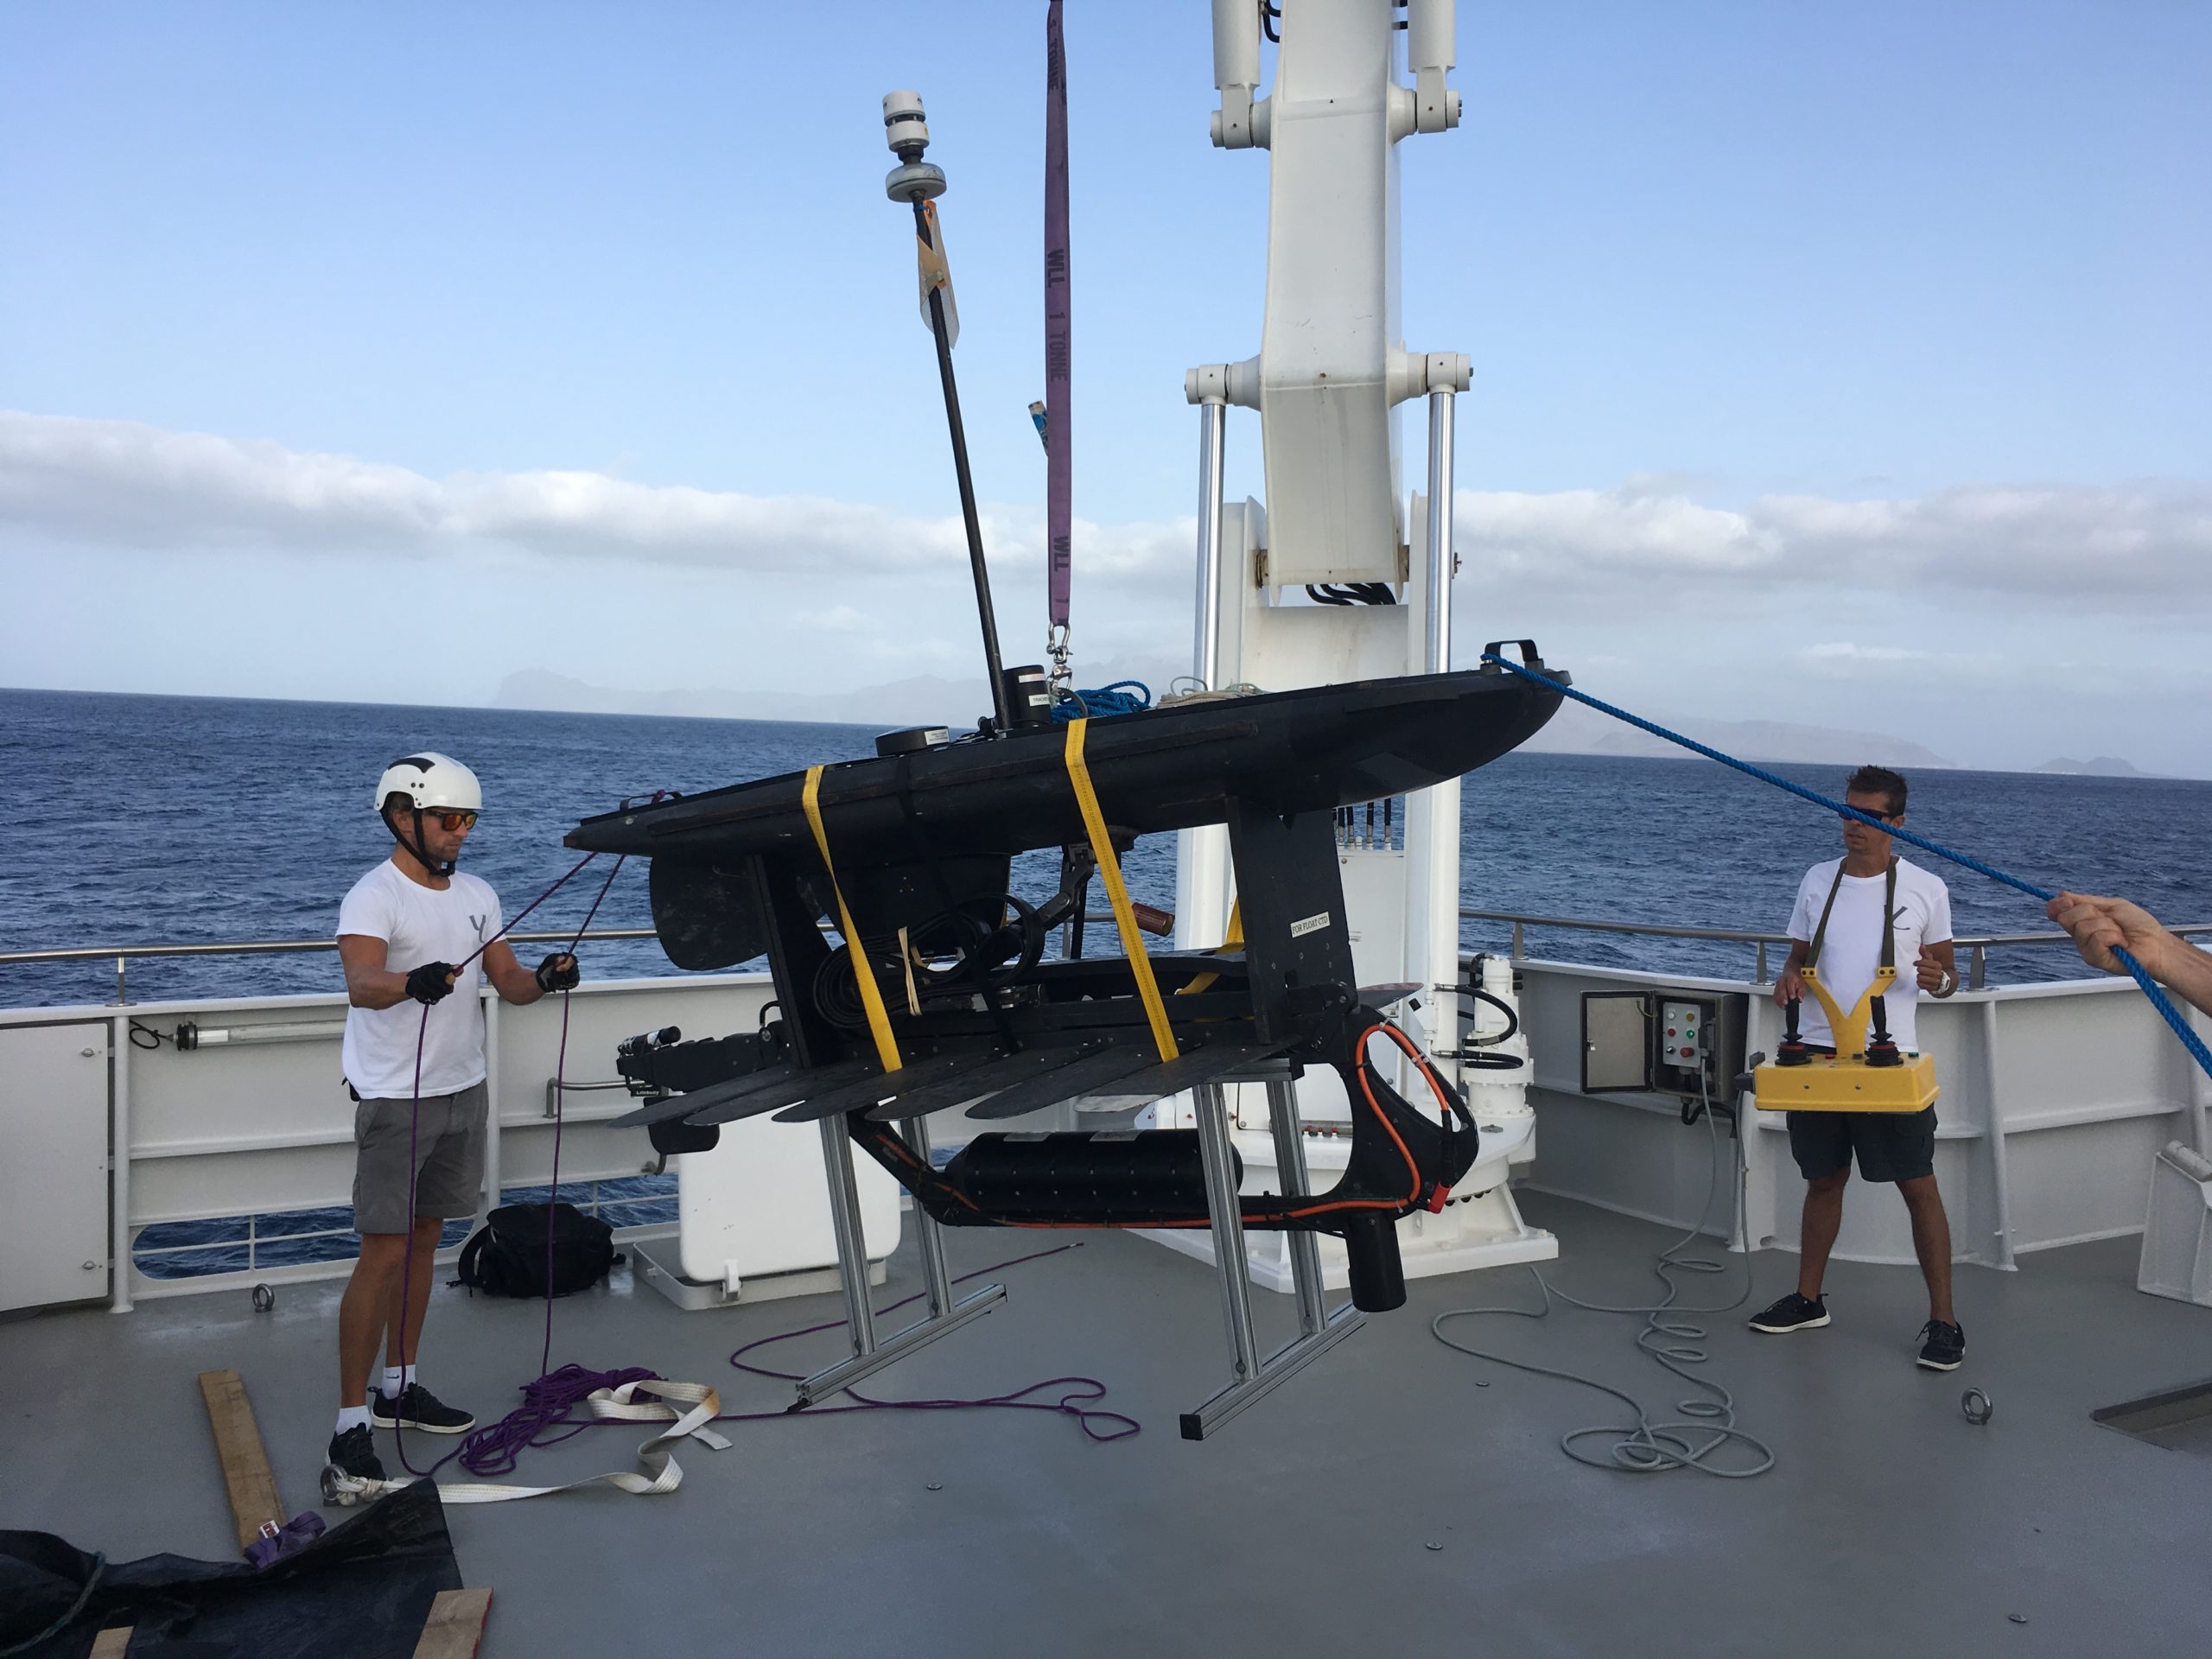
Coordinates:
[2105,766]
[931,700]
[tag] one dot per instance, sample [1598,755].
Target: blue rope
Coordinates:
[2152,988]
[1123,697]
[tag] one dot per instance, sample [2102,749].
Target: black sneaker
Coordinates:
[1945,1347]
[1792,1313]
[418,1408]
[354,1452]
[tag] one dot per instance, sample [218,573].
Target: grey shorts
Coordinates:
[447,1132]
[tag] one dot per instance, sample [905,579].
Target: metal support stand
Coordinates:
[1318,1331]
[944,1315]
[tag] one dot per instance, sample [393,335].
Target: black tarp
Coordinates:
[362,1591]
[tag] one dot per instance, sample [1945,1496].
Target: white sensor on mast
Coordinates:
[920,183]
[907,131]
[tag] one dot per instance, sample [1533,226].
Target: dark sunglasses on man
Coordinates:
[451,819]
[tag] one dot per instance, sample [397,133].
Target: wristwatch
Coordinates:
[1950,983]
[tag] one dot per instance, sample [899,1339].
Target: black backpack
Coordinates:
[508,1255]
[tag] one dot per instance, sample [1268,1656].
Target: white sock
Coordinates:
[352,1417]
[396,1379]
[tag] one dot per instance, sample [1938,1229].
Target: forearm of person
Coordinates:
[377,988]
[1787,983]
[2184,970]
[514,982]
[369,984]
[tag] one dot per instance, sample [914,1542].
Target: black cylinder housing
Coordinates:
[1079,1176]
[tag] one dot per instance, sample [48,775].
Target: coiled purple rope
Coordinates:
[549,1413]
[1072,1403]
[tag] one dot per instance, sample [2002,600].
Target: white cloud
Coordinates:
[122,484]
[1843,660]
[838,619]
[2143,548]
[2144,545]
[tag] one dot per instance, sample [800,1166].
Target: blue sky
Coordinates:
[1857,355]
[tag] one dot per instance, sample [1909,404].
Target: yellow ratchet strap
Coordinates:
[1234,940]
[879,1021]
[1101,848]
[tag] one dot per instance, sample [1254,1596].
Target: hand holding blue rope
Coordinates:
[2152,988]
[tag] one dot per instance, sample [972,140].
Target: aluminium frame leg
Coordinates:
[869,1354]
[1318,1331]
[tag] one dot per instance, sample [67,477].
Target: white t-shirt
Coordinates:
[419,924]
[1851,948]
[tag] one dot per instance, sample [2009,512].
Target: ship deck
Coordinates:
[1385,1496]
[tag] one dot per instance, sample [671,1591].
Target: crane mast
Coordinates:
[1327,382]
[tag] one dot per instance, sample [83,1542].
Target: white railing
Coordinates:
[2056,1096]
[254,1127]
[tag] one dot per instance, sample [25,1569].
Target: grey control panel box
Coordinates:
[1687,1044]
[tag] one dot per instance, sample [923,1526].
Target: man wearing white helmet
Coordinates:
[414,1059]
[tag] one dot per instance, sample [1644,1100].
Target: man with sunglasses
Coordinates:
[1845,904]
[418,939]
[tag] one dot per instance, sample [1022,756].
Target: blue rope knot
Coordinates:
[2152,988]
[1123,697]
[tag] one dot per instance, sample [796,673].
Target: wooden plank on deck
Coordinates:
[455,1625]
[247,1473]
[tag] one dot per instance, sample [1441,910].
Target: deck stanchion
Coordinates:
[1993,1106]
[119,1165]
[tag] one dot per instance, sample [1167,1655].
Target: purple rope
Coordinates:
[1073,1403]
[548,1416]
[559,1105]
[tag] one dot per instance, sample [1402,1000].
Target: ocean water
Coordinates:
[184,820]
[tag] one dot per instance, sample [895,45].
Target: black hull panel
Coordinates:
[1165,769]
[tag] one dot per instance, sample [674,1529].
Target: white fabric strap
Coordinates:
[662,1472]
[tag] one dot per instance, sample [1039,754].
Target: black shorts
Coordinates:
[1891,1145]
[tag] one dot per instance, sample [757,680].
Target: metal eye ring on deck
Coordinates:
[1976,1405]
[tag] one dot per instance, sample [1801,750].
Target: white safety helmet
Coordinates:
[430,779]
[431,782]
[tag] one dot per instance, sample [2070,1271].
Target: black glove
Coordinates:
[558,972]
[431,982]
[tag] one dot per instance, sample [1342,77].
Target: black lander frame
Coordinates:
[895,845]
